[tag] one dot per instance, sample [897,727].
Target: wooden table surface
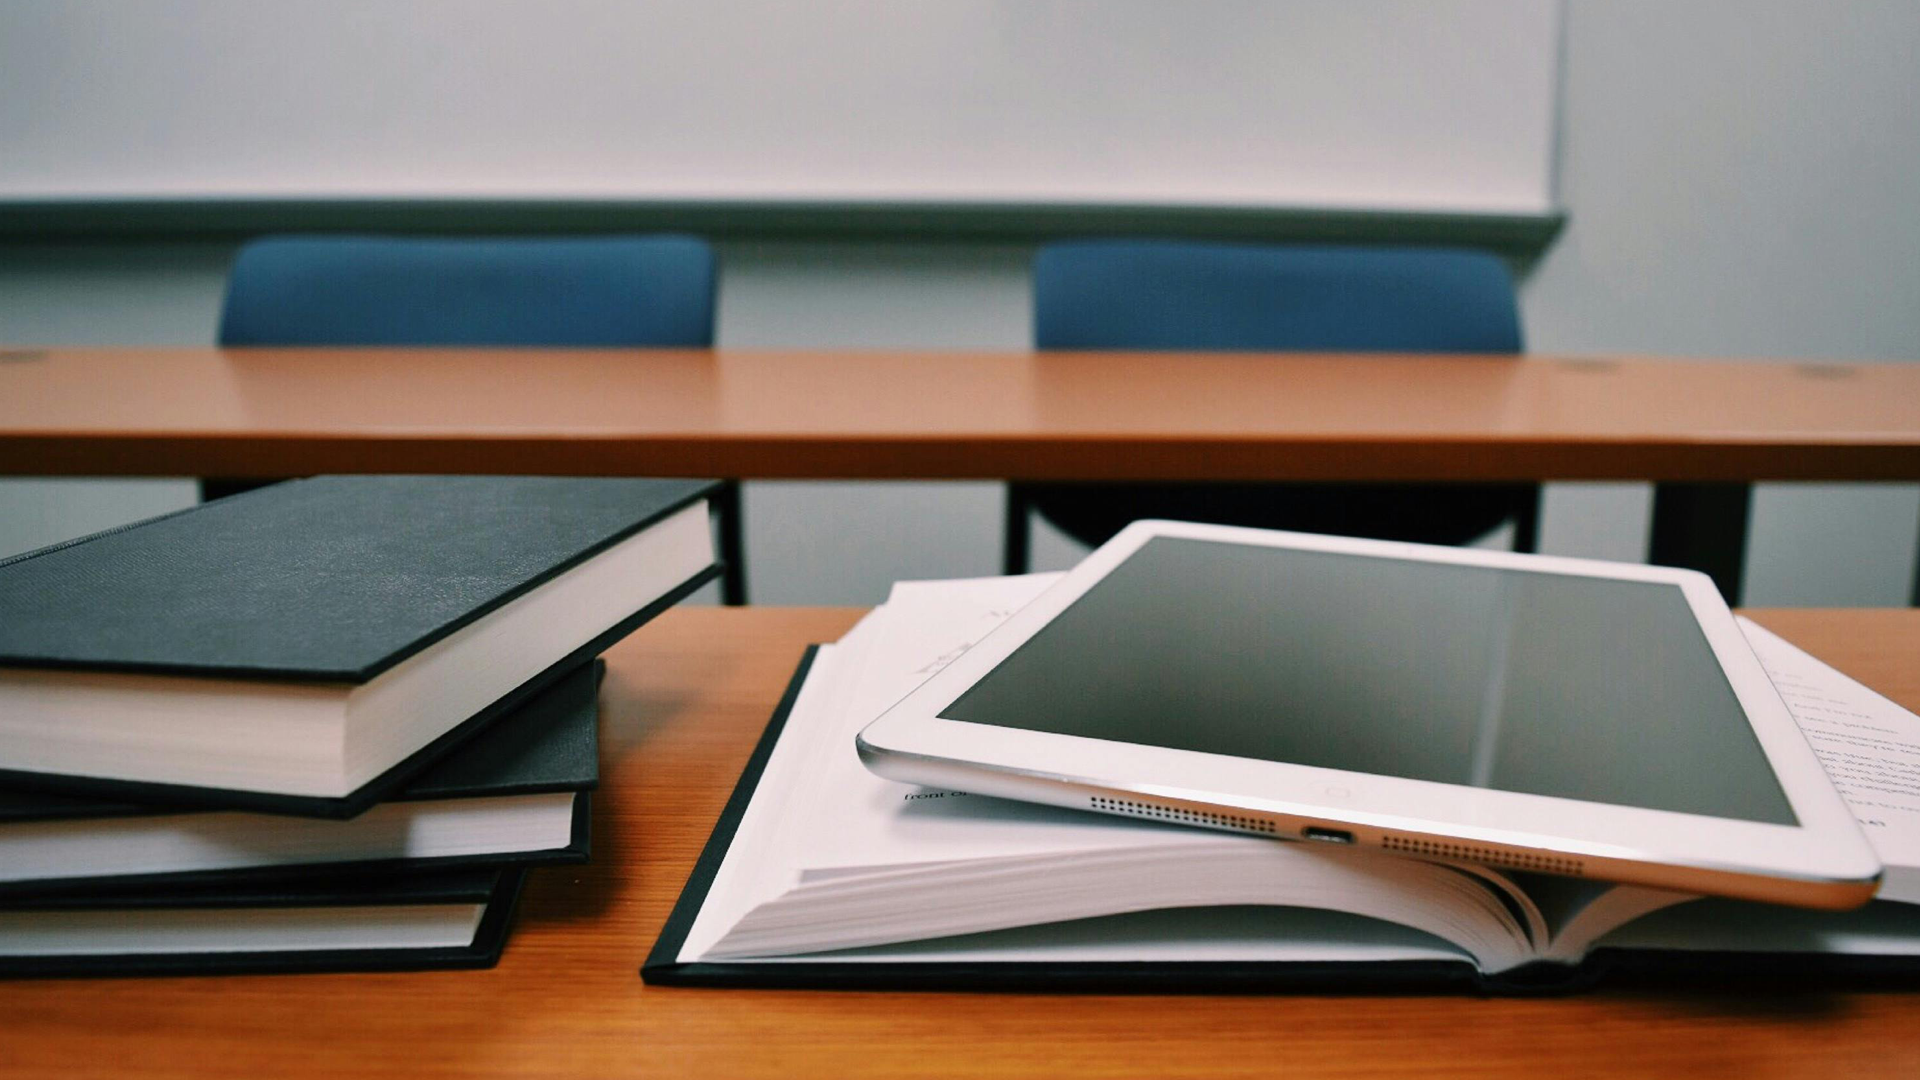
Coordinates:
[1022,416]
[683,702]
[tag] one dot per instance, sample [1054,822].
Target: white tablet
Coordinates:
[1528,712]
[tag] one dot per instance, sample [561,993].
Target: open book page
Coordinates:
[992,895]
[1581,911]
[816,809]
[826,845]
[1261,934]
[1869,746]
[847,859]
[754,868]
[856,820]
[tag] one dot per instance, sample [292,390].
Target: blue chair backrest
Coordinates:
[1152,294]
[369,290]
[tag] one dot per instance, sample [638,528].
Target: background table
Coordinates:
[1021,416]
[684,700]
[1702,430]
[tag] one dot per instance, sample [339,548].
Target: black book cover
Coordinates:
[549,744]
[333,579]
[499,890]
[380,788]
[1613,966]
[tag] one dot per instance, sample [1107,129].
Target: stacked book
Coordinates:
[325,725]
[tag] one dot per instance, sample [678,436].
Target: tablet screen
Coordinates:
[1549,684]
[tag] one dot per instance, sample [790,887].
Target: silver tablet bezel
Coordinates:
[1822,861]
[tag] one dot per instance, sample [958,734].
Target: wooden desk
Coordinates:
[1703,429]
[683,702]
[1021,416]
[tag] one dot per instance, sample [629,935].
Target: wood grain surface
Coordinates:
[1062,416]
[683,702]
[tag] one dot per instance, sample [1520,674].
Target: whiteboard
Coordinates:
[1410,105]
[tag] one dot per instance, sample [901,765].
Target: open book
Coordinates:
[824,874]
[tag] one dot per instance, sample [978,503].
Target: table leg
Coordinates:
[1017,550]
[1703,527]
[728,514]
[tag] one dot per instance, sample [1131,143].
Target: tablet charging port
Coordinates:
[1327,836]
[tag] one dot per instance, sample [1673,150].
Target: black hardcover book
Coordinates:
[390,923]
[1227,949]
[308,647]
[517,793]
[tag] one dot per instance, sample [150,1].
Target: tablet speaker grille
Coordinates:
[1220,820]
[1512,860]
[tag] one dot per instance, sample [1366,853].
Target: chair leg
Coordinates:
[733,556]
[1016,555]
[1526,524]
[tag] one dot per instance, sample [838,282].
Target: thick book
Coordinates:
[517,793]
[821,874]
[388,923]
[307,647]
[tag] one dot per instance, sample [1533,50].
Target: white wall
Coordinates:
[101,294]
[1738,176]
[1741,176]
[1386,104]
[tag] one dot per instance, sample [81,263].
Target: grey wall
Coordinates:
[101,294]
[1738,176]
[1741,178]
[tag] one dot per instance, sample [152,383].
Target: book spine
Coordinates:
[1541,978]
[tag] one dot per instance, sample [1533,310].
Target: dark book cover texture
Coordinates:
[334,579]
